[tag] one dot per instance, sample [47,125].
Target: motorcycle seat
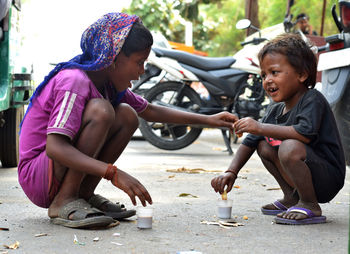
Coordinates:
[200,62]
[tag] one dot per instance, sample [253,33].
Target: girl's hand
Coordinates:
[247,124]
[218,183]
[223,119]
[132,187]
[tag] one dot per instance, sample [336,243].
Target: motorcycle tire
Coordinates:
[342,116]
[171,136]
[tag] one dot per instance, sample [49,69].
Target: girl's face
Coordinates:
[281,81]
[127,68]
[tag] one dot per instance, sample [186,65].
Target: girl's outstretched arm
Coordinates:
[155,113]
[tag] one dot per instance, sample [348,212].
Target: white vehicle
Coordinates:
[335,67]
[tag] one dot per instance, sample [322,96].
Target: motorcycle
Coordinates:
[335,67]
[205,85]
[225,89]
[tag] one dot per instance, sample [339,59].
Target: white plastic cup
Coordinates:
[144,217]
[224,208]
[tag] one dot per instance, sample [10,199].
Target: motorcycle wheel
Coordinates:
[342,116]
[171,136]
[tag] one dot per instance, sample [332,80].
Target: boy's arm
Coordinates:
[269,130]
[155,113]
[282,132]
[241,157]
[239,160]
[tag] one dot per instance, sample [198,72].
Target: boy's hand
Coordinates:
[223,119]
[247,124]
[218,183]
[132,187]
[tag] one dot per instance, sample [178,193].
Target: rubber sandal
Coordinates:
[280,208]
[82,216]
[311,217]
[115,210]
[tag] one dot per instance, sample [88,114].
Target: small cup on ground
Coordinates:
[144,217]
[224,208]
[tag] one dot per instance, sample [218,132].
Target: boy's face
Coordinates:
[280,79]
[303,25]
[127,68]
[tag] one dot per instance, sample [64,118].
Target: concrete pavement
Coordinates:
[177,220]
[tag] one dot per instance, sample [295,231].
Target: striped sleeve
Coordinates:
[65,118]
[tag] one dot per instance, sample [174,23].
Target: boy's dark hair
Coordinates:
[298,54]
[302,16]
[139,39]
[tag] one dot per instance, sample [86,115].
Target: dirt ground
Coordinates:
[183,204]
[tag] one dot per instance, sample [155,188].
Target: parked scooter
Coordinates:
[335,67]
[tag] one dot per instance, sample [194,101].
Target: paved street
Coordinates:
[177,218]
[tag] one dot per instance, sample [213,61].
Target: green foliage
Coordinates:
[273,13]
[221,21]
[156,15]
[214,20]
[188,10]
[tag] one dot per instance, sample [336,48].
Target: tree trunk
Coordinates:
[252,13]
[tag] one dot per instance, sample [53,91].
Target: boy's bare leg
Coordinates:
[292,155]
[269,157]
[97,120]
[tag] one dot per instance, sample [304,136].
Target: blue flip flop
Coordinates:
[312,218]
[280,208]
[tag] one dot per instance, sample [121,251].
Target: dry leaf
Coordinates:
[187,194]
[245,217]
[12,246]
[172,176]
[39,235]
[277,188]
[223,224]
[237,186]
[190,171]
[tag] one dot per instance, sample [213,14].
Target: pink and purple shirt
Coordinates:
[58,109]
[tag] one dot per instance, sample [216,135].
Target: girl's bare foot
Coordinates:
[56,206]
